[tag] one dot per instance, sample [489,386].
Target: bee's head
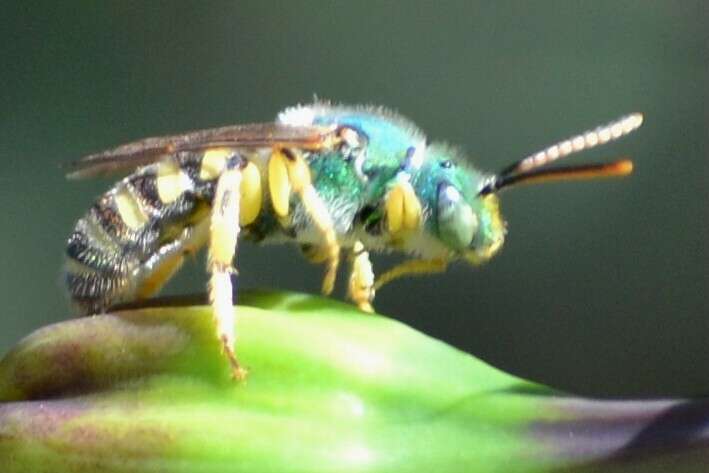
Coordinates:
[468,225]
[466,214]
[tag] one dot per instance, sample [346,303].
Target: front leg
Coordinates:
[414,267]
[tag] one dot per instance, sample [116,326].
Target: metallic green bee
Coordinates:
[328,178]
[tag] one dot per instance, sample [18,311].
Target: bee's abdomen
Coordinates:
[119,242]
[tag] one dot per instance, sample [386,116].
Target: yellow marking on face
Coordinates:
[172,182]
[213,163]
[498,224]
[492,203]
[279,183]
[129,209]
[251,194]
[481,255]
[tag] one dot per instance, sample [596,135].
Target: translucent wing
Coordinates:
[129,156]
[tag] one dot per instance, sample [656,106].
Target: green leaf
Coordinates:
[330,389]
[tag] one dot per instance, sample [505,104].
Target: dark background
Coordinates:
[601,287]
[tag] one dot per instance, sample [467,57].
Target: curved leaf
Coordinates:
[330,389]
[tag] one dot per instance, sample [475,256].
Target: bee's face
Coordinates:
[473,228]
[468,224]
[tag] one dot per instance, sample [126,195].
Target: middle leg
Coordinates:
[361,284]
[287,170]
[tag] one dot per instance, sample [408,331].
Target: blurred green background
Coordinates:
[602,286]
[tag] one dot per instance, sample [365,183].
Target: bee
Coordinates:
[328,178]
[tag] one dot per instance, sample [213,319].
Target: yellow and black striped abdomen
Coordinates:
[134,237]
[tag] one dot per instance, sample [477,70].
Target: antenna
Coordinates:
[528,169]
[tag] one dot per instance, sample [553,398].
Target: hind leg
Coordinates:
[223,237]
[160,268]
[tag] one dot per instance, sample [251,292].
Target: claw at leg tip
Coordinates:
[366,307]
[239,373]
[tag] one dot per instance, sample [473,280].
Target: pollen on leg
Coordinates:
[395,209]
[214,162]
[403,208]
[251,194]
[298,173]
[279,183]
[412,207]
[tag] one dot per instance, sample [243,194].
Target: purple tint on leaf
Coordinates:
[603,434]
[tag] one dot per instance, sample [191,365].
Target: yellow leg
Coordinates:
[317,211]
[361,284]
[224,233]
[411,268]
[315,254]
[298,180]
[171,259]
[160,268]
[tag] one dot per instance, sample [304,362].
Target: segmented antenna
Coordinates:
[587,140]
[528,169]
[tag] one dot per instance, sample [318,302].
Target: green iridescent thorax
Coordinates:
[338,184]
[386,140]
[354,183]
[361,178]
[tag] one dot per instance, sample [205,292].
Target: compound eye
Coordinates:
[457,223]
